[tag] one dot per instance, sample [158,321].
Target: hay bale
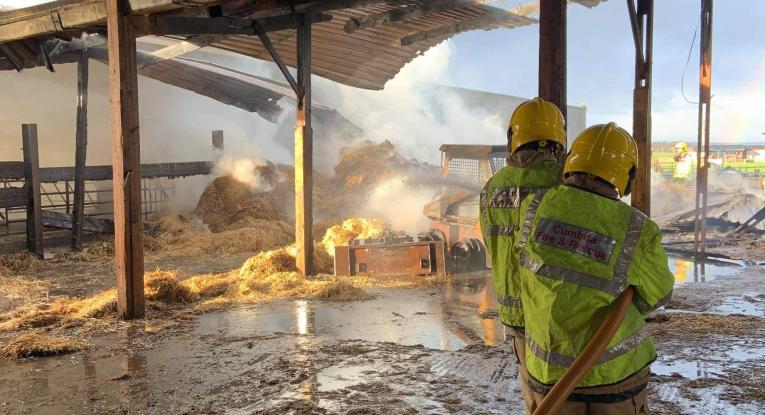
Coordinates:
[323,262]
[100,305]
[33,344]
[267,263]
[163,286]
[226,201]
[102,249]
[340,291]
[27,317]
[18,263]
[207,286]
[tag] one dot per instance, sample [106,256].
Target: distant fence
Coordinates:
[32,198]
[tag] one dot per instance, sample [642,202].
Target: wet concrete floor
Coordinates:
[407,351]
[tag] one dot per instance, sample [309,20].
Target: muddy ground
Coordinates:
[417,346]
[428,349]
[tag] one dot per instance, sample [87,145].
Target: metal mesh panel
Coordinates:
[497,161]
[465,169]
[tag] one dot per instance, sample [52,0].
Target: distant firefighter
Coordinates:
[683,162]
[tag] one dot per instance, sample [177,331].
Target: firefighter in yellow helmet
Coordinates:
[536,141]
[580,247]
[683,166]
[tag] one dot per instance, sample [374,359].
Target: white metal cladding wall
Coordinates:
[501,106]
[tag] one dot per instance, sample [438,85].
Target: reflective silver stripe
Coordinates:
[528,220]
[546,355]
[609,354]
[631,238]
[500,230]
[624,346]
[643,305]
[508,301]
[562,274]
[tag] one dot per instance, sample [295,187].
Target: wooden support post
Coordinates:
[80,152]
[126,154]
[702,149]
[642,28]
[304,151]
[217,142]
[32,178]
[552,52]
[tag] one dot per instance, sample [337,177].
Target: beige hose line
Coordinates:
[592,351]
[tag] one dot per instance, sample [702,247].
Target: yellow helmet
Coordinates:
[536,120]
[606,151]
[682,147]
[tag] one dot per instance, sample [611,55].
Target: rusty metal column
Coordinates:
[552,52]
[80,155]
[304,151]
[702,149]
[641,19]
[126,159]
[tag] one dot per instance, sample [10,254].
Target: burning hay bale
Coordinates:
[339,235]
[33,344]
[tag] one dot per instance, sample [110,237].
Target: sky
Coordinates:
[600,76]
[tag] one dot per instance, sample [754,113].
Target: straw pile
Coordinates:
[33,344]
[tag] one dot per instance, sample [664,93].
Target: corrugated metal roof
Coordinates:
[366,58]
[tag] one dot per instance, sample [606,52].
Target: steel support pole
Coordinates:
[642,28]
[552,52]
[702,150]
[304,151]
[126,160]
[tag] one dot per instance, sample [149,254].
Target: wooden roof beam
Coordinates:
[177,25]
[496,18]
[411,12]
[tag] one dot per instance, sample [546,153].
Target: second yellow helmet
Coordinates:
[536,120]
[606,151]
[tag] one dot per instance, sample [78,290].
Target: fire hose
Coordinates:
[589,356]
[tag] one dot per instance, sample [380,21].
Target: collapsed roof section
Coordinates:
[360,43]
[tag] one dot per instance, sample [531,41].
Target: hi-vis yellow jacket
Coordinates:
[500,202]
[579,251]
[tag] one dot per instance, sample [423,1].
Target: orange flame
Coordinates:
[339,235]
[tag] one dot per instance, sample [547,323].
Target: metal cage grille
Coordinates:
[497,161]
[465,169]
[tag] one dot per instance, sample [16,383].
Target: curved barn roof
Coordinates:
[365,44]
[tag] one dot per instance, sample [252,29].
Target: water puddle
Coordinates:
[687,271]
[446,318]
[715,364]
[748,303]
